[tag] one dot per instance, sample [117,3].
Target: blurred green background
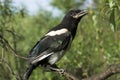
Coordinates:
[96,46]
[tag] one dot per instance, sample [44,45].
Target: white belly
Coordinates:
[55,57]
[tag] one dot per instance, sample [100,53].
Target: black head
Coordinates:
[72,19]
[75,15]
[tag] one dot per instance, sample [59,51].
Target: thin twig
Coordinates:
[2,53]
[10,47]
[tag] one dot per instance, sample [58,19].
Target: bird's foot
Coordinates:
[61,71]
[56,69]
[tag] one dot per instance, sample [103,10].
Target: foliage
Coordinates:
[73,4]
[97,43]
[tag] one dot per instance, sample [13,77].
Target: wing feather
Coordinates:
[48,45]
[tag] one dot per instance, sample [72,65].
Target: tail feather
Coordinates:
[28,72]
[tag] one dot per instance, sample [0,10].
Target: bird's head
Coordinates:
[75,15]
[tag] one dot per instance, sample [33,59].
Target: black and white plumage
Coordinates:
[56,41]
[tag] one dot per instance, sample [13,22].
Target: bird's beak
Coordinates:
[80,14]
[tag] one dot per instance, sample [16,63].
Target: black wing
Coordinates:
[49,44]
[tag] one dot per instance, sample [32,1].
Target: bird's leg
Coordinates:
[55,68]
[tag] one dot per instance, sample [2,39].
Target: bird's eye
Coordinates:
[73,14]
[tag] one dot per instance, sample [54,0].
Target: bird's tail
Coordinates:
[28,72]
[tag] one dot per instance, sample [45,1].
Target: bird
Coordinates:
[54,44]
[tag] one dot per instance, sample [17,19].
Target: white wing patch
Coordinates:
[57,32]
[41,58]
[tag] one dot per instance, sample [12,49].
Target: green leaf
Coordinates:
[112,20]
[111,3]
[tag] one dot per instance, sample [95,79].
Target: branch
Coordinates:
[69,76]
[112,70]
[10,47]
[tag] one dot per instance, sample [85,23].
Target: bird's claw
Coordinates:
[61,71]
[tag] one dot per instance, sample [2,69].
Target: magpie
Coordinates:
[53,45]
